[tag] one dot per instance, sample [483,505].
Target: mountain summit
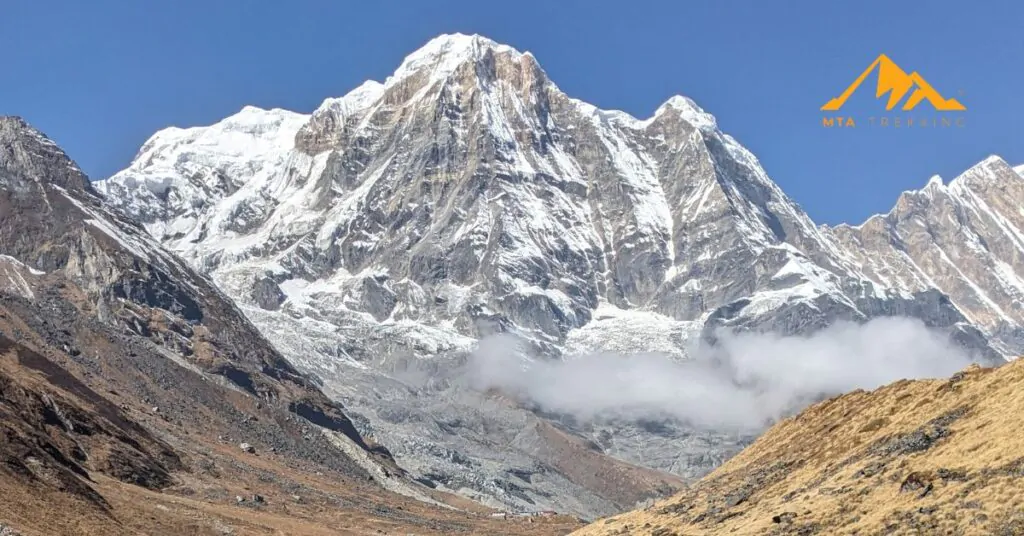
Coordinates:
[443,55]
[28,158]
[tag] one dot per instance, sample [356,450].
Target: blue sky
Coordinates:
[101,76]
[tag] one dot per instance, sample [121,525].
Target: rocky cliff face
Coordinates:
[965,238]
[91,283]
[376,240]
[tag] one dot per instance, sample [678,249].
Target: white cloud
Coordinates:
[743,383]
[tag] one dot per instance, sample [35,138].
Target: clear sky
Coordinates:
[101,76]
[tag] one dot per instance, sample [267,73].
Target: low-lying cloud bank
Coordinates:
[745,382]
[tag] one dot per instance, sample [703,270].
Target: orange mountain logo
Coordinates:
[897,83]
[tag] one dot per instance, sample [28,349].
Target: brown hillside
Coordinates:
[101,434]
[913,457]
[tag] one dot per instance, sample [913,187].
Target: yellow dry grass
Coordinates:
[914,457]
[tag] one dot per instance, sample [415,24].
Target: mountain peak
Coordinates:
[13,127]
[459,44]
[993,159]
[11,122]
[26,154]
[353,100]
[689,111]
[992,170]
[251,118]
[990,165]
[443,54]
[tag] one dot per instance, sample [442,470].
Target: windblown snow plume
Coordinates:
[744,382]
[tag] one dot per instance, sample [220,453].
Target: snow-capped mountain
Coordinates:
[467,195]
[965,238]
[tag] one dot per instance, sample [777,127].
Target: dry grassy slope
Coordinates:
[914,457]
